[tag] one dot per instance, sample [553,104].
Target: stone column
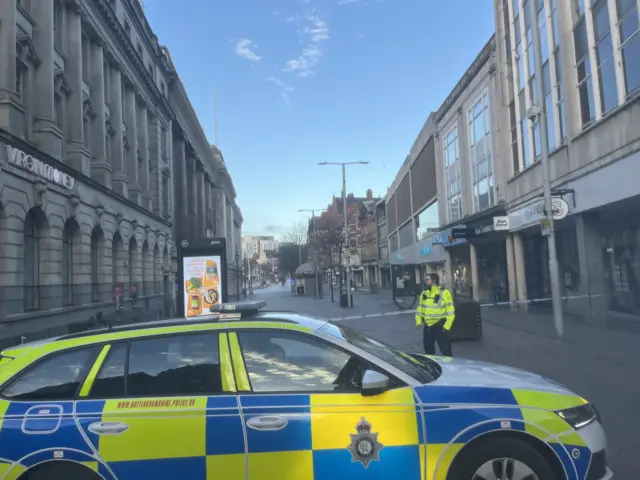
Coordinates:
[181,187]
[592,268]
[475,286]
[120,182]
[7,63]
[448,271]
[46,135]
[155,171]
[511,271]
[521,274]
[77,155]
[207,203]
[223,207]
[143,147]
[202,202]
[100,168]
[131,160]
[192,183]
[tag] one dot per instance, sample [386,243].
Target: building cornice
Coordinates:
[127,47]
[482,58]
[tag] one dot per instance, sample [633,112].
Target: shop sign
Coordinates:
[37,167]
[501,224]
[426,249]
[535,212]
[487,228]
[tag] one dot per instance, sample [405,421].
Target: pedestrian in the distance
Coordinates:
[435,315]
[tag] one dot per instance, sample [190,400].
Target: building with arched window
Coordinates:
[90,110]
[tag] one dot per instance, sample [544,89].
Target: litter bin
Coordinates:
[344,300]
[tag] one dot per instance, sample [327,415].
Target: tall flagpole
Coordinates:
[215,115]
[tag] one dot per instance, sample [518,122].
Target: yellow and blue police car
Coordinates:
[254,394]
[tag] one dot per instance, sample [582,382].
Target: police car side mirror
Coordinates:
[374,383]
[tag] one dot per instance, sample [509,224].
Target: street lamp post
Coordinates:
[537,114]
[346,221]
[315,256]
[237,275]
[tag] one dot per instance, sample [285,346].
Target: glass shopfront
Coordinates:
[621,248]
[536,255]
[461,270]
[493,283]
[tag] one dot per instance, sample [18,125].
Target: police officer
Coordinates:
[435,315]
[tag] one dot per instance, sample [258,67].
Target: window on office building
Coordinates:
[393,242]
[427,222]
[453,175]
[562,121]
[604,56]
[629,29]
[526,141]
[583,65]
[405,235]
[480,154]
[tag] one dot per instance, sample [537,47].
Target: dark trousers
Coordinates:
[433,334]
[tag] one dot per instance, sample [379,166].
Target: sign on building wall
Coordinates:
[37,167]
[532,213]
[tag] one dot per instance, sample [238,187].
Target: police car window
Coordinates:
[290,362]
[420,368]
[177,365]
[110,379]
[55,378]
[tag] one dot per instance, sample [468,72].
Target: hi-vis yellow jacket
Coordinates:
[435,304]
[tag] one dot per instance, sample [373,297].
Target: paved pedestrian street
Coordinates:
[602,366]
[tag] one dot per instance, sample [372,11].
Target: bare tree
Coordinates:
[297,234]
[327,240]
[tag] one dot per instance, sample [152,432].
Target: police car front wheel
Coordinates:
[59,470]
[502,459]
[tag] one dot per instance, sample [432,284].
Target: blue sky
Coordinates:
[305,81]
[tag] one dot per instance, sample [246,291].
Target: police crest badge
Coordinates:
[364,446]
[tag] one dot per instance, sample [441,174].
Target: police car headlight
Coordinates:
[579,417]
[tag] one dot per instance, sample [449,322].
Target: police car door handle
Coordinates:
[267,422]
[108,428]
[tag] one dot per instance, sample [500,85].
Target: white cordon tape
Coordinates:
[495,304]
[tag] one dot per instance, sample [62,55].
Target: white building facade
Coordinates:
[591,83]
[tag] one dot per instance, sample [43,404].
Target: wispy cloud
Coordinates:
[245,48]
[315,32]
[346,2]
[285,90]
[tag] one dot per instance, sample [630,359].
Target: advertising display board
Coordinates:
[203,275]
[202,287]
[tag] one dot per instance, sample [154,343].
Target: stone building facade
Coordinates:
[86,166]
[205,195]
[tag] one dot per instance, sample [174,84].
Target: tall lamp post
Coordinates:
[537,115]
[346,220]
[315,256]
[237,275]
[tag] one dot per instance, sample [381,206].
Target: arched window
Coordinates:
[116,246]
[67,265]
[147,287]
[133,246]
[31,260]
[97,249]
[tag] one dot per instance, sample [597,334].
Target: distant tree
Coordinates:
[327,239]
[297,234]
[289,255]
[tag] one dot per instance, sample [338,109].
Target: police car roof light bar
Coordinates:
[245,309]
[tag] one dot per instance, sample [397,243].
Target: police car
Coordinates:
[253,394]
